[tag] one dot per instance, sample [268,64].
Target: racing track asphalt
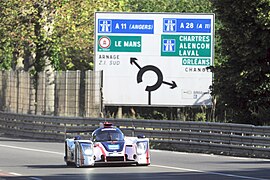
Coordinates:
[35,160]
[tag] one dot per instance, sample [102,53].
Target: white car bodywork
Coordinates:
[132,150]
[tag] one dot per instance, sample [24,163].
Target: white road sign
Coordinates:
[157,59]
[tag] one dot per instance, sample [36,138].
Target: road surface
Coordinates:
[35,160]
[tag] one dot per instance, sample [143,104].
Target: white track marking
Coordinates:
[210,155]
[209,172]
[3,173]
[159,166]
[29,149]
[14,174]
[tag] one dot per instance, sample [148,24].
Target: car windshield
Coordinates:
[108,134]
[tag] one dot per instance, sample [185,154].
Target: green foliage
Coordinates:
[56,33]
[74,28]
[200,117]
[176,6]
[242,80]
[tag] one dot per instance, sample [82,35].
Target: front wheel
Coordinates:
[66,158]
[77,157]
[69,163]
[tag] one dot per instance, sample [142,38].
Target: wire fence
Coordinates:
[65,93]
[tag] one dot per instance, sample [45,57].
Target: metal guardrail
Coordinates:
[205,137]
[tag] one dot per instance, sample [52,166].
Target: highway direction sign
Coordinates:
[156,59]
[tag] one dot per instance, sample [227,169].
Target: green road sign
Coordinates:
[186,45]
[119,44]
[196,61]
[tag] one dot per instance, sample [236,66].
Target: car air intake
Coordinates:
[117,158]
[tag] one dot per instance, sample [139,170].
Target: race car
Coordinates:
[107,145]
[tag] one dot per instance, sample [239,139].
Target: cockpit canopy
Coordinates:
[107,134]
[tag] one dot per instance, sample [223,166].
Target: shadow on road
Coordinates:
[63,166]
[258,174]
[124,176]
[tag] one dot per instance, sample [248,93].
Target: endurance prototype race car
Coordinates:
[107,145]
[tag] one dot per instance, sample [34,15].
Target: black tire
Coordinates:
[76,157]
[68,163]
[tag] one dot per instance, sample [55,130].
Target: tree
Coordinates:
[13,28]
[57,34]
[75,31]
[26,28]
[176,6]
[242,80]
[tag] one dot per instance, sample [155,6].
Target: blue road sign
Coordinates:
[186,25]
[127,26]
[168,45]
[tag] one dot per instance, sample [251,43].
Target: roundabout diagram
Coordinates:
[160,79]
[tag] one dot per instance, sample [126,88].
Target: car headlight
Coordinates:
[141,147]
[87,149]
